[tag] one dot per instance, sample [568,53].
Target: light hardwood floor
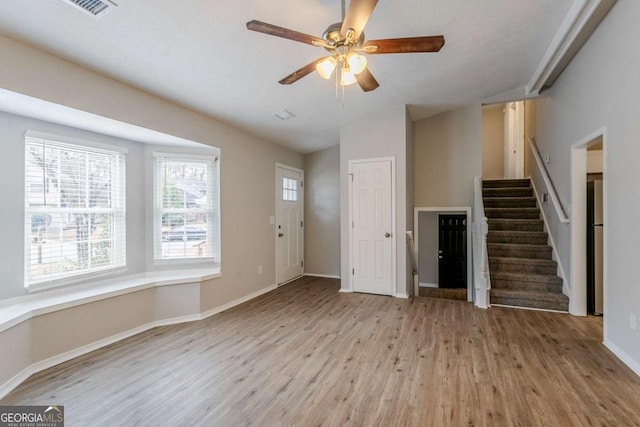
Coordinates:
[308,355]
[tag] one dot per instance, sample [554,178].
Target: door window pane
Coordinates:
[289,189]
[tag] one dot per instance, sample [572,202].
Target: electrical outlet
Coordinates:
[632,321]
[260,269]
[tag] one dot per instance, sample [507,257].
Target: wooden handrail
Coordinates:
[547,182]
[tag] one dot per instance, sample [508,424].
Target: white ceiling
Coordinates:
[200,54]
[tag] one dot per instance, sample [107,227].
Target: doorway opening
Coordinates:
[443,253]
[503,140]
[594,230]
[589,225]
[514,140]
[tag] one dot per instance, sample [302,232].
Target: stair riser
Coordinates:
[510,203]
[545,305]
[509,183]
[512,214]
[522,268]
[536,225]
[507,192]
[536,239]
[523,285]
[543,253]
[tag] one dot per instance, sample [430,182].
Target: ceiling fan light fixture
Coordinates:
[357,63]
[347,77]
[326,66]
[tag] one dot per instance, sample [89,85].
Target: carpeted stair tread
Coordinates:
[493,183]
[516,224]
[530,282]
[512,213]
[510,202]
[531,299]
[525,237]
[523,265]
[508,192]
[522,277]
[519,250]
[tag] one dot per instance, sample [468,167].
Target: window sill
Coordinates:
[16,310]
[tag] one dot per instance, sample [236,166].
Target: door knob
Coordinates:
[440,257]
[387,234]
[280,234]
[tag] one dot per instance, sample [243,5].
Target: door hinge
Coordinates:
[301,184]
[301,263]
[353,224]
[301,223]
[351,175]
[353,271]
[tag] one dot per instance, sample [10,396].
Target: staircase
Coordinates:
[523,273]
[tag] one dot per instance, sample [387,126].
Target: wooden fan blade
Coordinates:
[366,80]
[357,16]
[298,74]
[406,45]
[285,33]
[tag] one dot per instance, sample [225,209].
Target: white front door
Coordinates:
[372,227]
[289,223]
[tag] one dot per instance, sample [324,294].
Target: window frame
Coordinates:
[212,213]
[118,197]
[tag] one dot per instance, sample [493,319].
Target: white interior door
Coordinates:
[289,223]
[372,227]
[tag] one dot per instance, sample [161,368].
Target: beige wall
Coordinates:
[379,135]
[599,89]
[493,142]
[322,212]
[447,156]
[247,166]
[428,248]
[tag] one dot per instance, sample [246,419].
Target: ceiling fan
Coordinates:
[346,44]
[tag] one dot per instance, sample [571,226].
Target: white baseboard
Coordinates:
[428,285]
[238,301]
[347,291]
[36,367]
[632,363]
[402,295]
[326,276]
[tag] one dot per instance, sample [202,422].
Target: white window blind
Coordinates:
[186,208]
[74,210]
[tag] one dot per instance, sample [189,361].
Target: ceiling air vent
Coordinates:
[95,8]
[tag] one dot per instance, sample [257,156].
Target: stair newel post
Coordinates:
[481,228]
[485,260]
